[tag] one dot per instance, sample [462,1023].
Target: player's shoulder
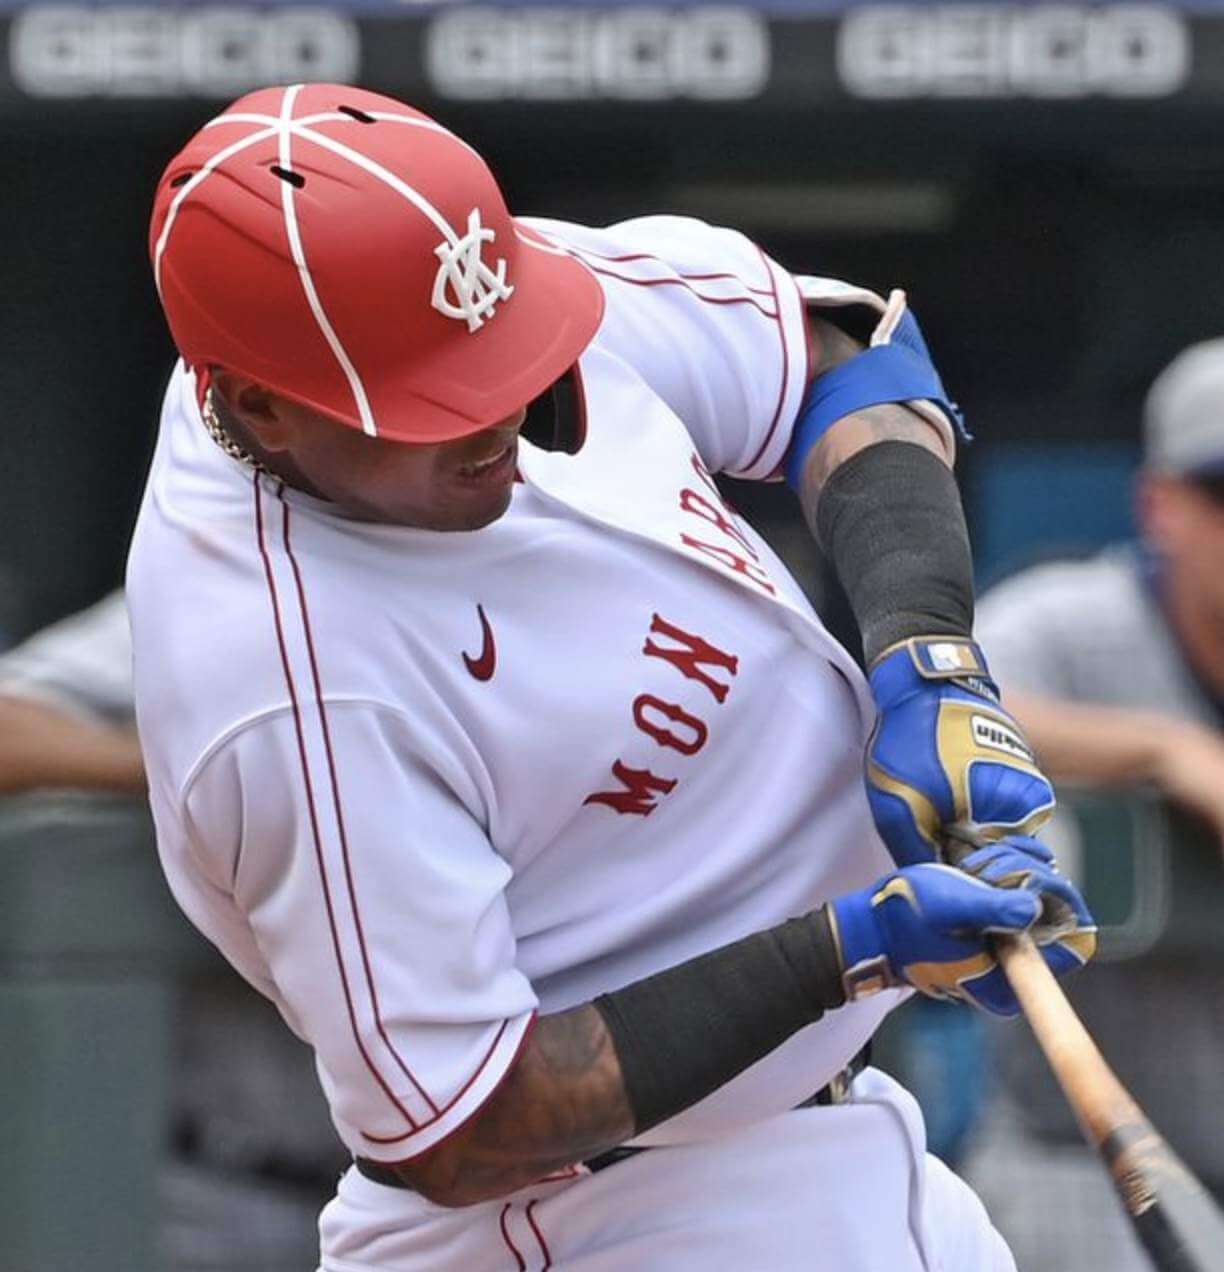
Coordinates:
[659,246]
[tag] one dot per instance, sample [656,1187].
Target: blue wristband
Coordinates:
[900,371]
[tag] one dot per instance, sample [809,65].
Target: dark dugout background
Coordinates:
[1060,239]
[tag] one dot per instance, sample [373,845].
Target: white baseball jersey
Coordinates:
[420,786]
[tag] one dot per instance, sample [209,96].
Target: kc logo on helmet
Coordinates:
[465,286]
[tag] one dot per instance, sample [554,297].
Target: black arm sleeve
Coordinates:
[890,521]
[684,1032]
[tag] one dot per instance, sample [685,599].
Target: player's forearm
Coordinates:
[42,747]
[563,1101]
[595,1076]
[1096,745]
[886,423]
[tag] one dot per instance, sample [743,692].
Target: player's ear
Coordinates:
[1157,510]
[259,411]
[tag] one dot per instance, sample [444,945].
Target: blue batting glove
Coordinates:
[929,926]
[1065,932]
[945,759]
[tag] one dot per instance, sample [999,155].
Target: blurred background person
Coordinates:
[1116,663]
[250,1152]
[1115,666]
[66,718]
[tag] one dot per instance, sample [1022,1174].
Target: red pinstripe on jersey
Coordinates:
[686,281]
[310,799]
[463,1090]
[539,1236]
[437,1112]
[340,827]
[518,1258]
[692,278]
[777,415]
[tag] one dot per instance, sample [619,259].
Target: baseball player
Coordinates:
[487,741]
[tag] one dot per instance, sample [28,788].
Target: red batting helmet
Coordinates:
[352,254]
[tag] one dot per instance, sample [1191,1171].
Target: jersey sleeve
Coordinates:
[82,664]
[360,892]
[710,322]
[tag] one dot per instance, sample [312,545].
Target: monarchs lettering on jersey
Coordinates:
[715,511]
[688,658]
[646,709]
[641,789]
[668,724]
[696,503]
[733,561]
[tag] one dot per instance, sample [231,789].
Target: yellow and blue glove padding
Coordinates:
[929,926]
[1065,931]
[945,757]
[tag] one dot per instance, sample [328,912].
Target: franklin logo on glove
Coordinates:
[946,759]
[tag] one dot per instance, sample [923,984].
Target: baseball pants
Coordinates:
[845,1188]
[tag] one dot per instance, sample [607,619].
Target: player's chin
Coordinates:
[477,519]
[469,510]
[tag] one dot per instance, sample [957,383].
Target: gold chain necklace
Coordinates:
[216,430]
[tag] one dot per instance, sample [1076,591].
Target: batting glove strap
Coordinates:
[928,926]
[945,758]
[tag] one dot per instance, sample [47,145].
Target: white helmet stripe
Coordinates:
[375,169]
[188,186]
[299,259]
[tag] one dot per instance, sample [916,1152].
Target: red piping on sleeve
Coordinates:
[514,1059]
[773,424]
[310,798]
[367,965]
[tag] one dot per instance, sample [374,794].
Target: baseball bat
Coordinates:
[1176,1219]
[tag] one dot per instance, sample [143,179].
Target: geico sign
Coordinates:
[1056,50]
[72,51]
[632,54]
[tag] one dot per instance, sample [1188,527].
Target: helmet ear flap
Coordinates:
[556,420]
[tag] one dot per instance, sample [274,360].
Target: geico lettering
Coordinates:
[640,794]
[973,50]
[645,703]
[733,561]
[700,506]
[73,51]
[693,652]
[562,54]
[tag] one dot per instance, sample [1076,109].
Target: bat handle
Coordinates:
[1069,1048]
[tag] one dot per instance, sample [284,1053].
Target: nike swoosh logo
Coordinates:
[482,668]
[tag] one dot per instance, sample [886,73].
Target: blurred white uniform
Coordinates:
[418,786]
[81,665]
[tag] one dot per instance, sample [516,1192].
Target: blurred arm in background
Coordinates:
[1115,666]
[66,716]
[1113,746]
